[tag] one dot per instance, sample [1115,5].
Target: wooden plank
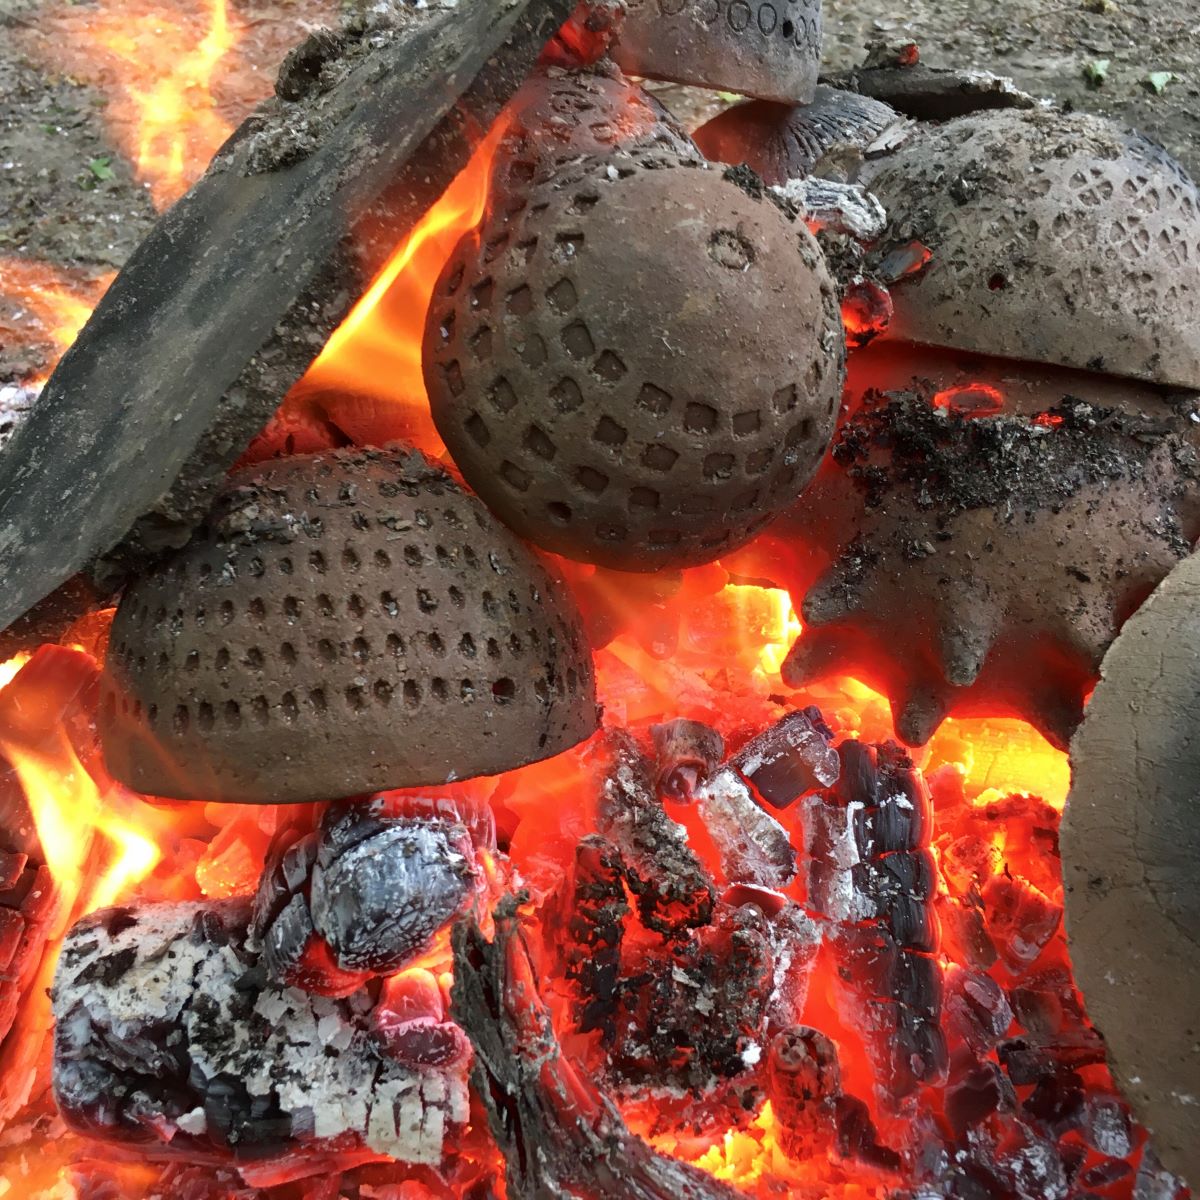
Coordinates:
[232,294]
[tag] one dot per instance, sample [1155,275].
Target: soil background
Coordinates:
[54,122]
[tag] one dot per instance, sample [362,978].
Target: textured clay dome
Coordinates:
[765,48]
[785,141]
[641,368]
[558,117]
[1055,238]
[347,622]
[976,549]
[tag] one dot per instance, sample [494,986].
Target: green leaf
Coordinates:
[100,169]
[1157,80]
[1096,72]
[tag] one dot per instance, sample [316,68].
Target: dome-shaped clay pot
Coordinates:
[785,141]
[1055,238]
[346,623]
[765,48]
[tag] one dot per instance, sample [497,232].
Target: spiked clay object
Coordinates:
[346,623]
[1081,492]
[970,563]
[639,368]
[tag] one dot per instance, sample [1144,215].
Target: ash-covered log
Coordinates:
[932,93]
[229,299]
[170,1037]
[673,889]
[560,1136]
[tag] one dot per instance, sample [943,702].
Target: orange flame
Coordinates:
[368,378]
[69,812]
[44,307]
[164,61]
[69,809]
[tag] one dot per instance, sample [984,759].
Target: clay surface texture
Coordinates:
[1131,857]
[346,623]
[765,48]
[1055,238]
[640,368]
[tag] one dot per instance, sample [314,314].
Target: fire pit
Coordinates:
[550,672]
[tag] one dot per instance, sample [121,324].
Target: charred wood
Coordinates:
[932,93]
[362,896]
[805,1086]
[792,757]
[872,876]
[673,890]
[169,1036]
[753,846]
[686,754]
[559,1135]
[229,299]
[595,931]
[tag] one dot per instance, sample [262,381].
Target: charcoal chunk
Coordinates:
[805,1087]
[754,847]
[792,757]
[379,902]
[686,754]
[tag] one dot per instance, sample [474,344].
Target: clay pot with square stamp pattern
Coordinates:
[641,367]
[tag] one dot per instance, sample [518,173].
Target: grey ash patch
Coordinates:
[953,463]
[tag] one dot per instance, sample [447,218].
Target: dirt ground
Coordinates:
[55,124]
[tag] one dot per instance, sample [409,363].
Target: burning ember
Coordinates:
[587,862]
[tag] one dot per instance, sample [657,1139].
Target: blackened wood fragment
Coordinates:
[595,931]
[871,875]
[792,757]
[225,304]
[560,1136]
[674,890]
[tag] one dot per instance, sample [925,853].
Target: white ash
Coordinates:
[164,1019]
[754,847]
[16,403]
[845,208]
[832,852]
[795,940]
